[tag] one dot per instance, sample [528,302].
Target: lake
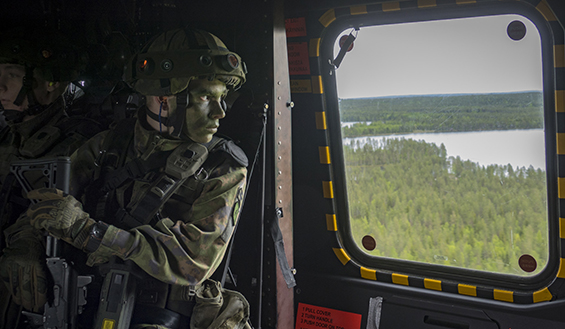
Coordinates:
[520,148]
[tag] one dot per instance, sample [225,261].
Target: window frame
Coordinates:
[410,15]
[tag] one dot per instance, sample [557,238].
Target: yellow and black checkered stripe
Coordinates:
[313,85]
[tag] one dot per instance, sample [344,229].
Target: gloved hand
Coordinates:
[61,215]
[22,266]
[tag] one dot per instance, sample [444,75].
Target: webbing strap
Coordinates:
[112,155]
[4,194]
[279,250]
[133,169]
[116,145]
[375,311]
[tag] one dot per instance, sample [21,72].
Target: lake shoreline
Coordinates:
[518,147]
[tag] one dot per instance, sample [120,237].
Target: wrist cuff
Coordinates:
[96,234]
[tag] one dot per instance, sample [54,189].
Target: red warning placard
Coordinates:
[298,59]
[315,317]
[295,27]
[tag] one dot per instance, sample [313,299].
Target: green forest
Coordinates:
[441,113]
[419,204]
[444,210]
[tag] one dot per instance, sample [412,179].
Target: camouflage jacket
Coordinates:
[187,245]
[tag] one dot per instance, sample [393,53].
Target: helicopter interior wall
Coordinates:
[322,280]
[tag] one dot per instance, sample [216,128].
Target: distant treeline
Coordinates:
[442,113]
[421,205]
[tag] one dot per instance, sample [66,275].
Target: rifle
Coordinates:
[69,288]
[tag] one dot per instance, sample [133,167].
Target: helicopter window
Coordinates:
[444,143]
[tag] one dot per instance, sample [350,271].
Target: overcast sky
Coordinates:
[472,55]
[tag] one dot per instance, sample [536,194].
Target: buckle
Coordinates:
[201,175]
[98,160]
[163,186]
[106,158]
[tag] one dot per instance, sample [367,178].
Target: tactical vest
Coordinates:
[113,199]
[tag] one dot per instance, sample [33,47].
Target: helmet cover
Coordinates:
[47,51]
[167,64]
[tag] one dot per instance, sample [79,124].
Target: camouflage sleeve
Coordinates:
[188,250]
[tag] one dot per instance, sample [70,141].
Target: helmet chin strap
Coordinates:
[179,114]
[177,118]
[13,115]
[33,108]
[26,86]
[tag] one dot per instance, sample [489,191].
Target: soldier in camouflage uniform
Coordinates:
[35,70]
[161,191]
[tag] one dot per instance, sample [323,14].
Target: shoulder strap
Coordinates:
[115,146]
[112,154]
[4,196]
[4,132]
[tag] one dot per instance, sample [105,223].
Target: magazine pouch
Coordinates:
[219,308]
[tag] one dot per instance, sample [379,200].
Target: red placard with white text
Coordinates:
[316,317]
[298,59]
[295,27]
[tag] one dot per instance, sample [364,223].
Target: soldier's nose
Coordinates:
[217,111]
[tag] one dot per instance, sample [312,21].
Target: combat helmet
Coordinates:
[47,52]
[167,64]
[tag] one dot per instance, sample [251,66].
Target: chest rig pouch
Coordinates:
[185,161]
[43,140]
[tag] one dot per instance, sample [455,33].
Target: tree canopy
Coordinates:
[441,113]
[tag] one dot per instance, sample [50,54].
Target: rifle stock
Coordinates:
[69,288]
